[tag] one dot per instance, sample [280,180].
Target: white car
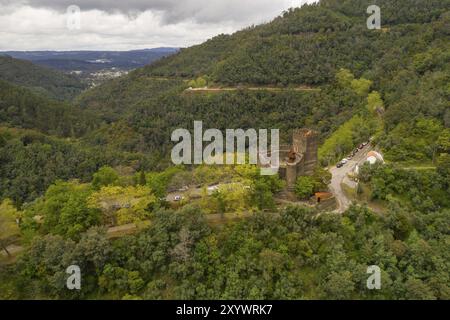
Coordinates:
[178,198]
[344,161]
[213,188]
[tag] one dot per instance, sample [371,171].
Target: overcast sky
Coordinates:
[127,24]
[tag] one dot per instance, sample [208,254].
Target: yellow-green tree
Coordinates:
[198,83]
[361,86]
[235,196]
[374,102]
[104,177]
[344,77]
[122,205]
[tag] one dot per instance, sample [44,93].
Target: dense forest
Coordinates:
[71,170]
[43,80]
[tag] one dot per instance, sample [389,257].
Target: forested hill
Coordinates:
[317,67]
[404,67]
[39,79]
[22,108]
[308,45]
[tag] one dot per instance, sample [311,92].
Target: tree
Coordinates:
[106,176]
[93,250]
[160,181]
[261,195]
[142,179]
[344,77]
[416,289]
[8,225]
[415,140]
[374,103]
[346,138]
[181,252]
[122,205]
[201,82]
[444,141]
[322,178]
[198,83]
[443,166]
[361,86]
[65,211]
[120,281]
[221,203]
[304,187]
[339,285]
[43,267]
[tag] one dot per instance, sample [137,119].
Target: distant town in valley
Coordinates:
[93,67]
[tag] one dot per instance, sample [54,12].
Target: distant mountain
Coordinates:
[40,79]
[93,60]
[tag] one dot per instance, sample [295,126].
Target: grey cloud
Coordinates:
[41,24]
[173,11]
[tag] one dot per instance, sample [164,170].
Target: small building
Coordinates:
[323,196]
[325,201]
[374,157]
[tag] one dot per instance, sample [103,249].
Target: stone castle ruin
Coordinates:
[299,158]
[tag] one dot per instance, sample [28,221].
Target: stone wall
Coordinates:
[306,142]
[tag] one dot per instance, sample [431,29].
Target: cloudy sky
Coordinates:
[127,24]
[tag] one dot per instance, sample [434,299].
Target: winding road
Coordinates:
[340,176]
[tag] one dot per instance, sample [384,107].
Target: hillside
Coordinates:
[308,45]
[24,108]
[31,161]
[69,172]
[406,65]
[39,79]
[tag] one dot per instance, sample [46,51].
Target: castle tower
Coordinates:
[298,159]
[305,141]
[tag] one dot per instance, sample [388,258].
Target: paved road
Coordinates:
[340,175]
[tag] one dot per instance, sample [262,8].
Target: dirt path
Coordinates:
[340,176]
[272,89]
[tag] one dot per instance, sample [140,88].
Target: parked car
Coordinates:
[340,165]
[178,198]
[361,146]
[344,161]
[213,188]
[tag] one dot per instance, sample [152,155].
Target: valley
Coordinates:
[87,175]
[92,67]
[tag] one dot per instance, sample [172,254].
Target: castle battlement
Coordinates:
[299,158]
